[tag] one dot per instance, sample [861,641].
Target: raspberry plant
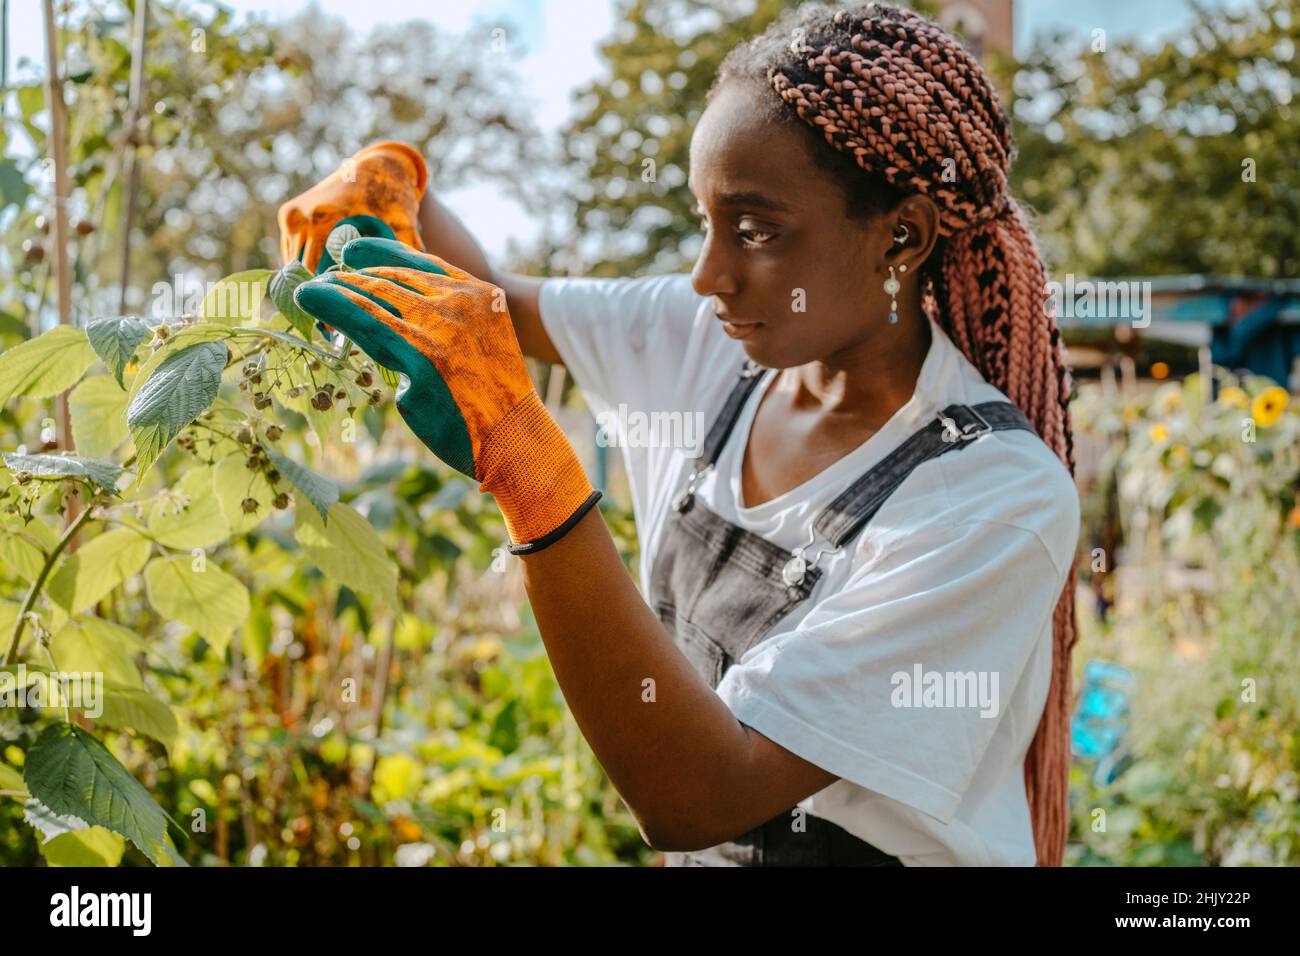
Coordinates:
[224,392]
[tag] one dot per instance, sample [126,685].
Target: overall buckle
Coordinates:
[971,430]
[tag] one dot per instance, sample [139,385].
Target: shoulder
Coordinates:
[634,305]
[1004,480]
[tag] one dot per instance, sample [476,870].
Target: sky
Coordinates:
[562,36]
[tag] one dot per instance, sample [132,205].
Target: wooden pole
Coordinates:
[133,145]
[59,155]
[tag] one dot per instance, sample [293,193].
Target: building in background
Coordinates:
[984,25]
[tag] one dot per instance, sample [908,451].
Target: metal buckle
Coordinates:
[686,497]
[794,570]
[953,432]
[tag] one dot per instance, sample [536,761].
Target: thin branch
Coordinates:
[20,622]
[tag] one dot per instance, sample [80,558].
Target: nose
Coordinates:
[713,273]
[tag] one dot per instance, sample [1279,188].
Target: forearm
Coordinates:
[669,744]
[446,236]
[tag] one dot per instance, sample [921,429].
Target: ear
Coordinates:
[920,215]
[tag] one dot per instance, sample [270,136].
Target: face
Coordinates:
[794,279]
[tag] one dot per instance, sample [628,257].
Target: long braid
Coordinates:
[903,100]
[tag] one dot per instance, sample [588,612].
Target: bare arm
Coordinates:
[446,236]
[692,775]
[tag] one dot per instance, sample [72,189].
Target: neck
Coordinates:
[872,378]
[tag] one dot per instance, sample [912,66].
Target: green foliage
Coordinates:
[104,474]
[1206,494]
[45,365]
[73,774]
[184,384]
[115,339]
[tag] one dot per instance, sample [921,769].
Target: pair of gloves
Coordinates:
[467,393]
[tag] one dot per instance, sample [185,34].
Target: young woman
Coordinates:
[852,645]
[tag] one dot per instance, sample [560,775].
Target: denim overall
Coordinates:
[719,589]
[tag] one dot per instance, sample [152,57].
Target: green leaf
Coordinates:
[209,601]
[14,188]
[51,824]
[45,365]
[134,708]
[182,338]
[339,237]
[181,387]
[115,339]
[103,473]
[233,483]
[98,409]
[348,551]
[93,846]
[92,645]
[189,515]
[100,565]
[11,779]
[73,774]
[237,298]
[319,490]
[282,285]
[23,548]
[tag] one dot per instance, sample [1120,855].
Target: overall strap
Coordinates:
[719,431]
[721,428]
[955,427]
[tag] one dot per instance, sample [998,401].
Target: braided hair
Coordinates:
[908,110]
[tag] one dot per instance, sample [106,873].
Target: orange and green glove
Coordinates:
[466,394]
[378,191]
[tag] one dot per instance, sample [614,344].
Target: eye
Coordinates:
[756,237]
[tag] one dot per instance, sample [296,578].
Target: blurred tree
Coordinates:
[242,115]
[1132,157]
[1178,159]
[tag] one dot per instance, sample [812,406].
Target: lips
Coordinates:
[735,328]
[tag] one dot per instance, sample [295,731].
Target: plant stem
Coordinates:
[20,622]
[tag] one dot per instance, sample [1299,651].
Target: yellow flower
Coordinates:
[1130,414]
[1234,396]
[1171,398]
[1269,405]
[1179,452]
[1159,433]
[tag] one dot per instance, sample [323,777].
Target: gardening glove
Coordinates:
[466,394]
[378,190]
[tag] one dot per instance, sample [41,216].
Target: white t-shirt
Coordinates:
[957,574]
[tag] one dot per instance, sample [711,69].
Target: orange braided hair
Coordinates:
[901,99]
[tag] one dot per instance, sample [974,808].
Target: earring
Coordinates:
[899,240]
[892,286]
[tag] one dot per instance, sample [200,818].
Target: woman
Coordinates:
[853,645]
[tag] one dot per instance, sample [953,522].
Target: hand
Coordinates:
[467,393]
[378,190]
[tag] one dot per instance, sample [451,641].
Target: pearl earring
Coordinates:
[892,286]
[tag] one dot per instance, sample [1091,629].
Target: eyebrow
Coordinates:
[756,200]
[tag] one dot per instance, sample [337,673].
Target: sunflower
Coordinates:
[1269,405]
[1234,397]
